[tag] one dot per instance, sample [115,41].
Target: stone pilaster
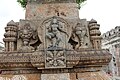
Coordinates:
[95,34]
[10,36]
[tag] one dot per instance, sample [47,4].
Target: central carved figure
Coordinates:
[54,33]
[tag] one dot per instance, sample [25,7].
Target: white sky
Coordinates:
[106,12]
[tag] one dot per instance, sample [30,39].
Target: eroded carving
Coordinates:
[55,59]
[25,34]
[51,28]
[80,36]
[81,32]
[54,31]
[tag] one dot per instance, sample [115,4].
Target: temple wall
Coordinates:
[63,10]
[63,76]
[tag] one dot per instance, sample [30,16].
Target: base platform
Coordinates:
[64,76]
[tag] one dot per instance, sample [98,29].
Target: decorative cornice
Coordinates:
[51,1]
[88,58]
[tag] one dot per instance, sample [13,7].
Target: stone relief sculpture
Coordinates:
[55,37]
[55,59]
[81,32]
[52,41]
[54,31]
[25,34]
[80,36]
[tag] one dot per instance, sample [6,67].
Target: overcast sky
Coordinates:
[106,12]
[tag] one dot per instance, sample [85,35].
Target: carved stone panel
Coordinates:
[55,58]
[80,35]
[27,36]
[53,33]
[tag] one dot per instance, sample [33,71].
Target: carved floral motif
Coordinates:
[55,59]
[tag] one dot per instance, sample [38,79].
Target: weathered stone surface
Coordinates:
[63,76]
[73,76]
[51,1]
[66,59]
[52,43]
[63,10]
[55,59]
[20,77]
[93,76]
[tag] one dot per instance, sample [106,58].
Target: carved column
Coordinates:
[10,36]
[95,34]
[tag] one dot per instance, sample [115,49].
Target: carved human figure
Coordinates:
[54,33]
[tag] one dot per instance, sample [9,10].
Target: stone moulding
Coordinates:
[83,59]
[49,71]
[52,1]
